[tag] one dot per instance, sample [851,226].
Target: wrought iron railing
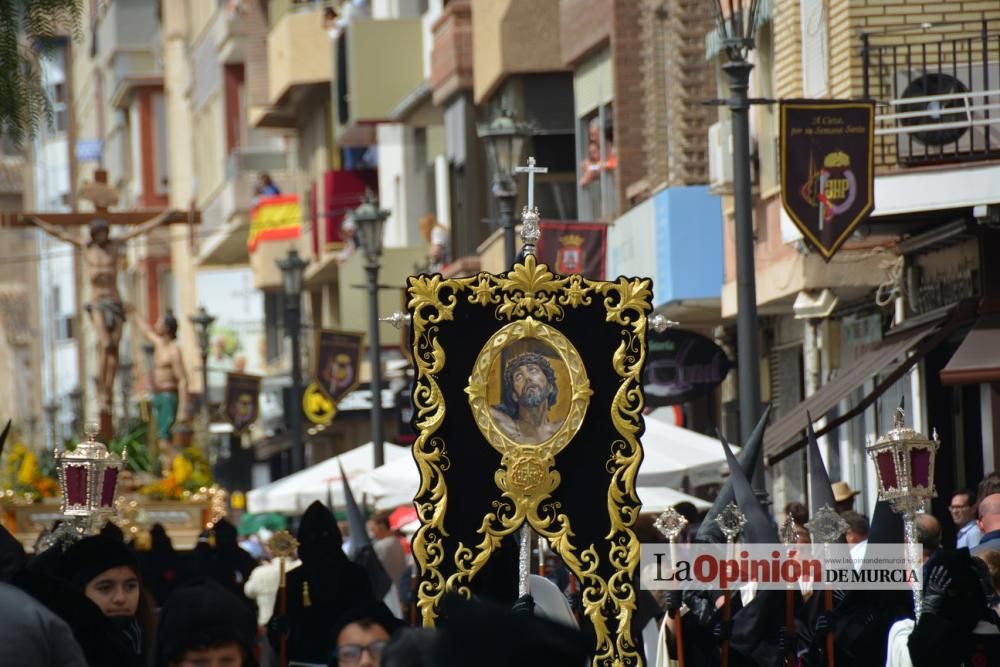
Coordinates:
[937,101]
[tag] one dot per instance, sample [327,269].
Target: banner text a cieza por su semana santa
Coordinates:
[776,566]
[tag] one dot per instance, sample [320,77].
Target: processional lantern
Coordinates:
[89,477]
[904,465]
[904,468]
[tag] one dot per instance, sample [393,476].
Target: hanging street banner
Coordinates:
[242,400]
[682,366]
[275,218]
[827,168]
[573,247]
[338,362]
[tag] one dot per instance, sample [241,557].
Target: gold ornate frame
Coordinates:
[526,296]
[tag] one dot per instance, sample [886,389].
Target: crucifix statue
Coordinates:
[101,253]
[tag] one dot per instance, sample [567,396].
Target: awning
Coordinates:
[787,434]
[977,359]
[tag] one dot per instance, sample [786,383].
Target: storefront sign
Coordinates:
[681,367]
[827,169]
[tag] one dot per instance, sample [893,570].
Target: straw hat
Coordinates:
[842,491]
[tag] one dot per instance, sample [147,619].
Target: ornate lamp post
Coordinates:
[202,323]
[371,229]
[292,267]
[504,138]
[904,467]
[737,27]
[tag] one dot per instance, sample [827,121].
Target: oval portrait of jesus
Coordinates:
[529,391]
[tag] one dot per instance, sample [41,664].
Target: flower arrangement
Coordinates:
[189,473]
[27,479]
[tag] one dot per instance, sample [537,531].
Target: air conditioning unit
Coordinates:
[720,158]
[937,120]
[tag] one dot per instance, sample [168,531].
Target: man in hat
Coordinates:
[318,591]
[205,624]
[843,494]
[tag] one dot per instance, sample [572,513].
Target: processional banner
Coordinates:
[827,168]
[528,402]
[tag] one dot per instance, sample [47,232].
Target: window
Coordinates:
[598,162]
[814,48]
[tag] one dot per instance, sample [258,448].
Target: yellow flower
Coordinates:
[181,469]
[28,473]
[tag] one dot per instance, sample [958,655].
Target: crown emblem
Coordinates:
[836,159]
[571,240]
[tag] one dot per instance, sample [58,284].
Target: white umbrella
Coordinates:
[655,499]
[293,494]
[671,453]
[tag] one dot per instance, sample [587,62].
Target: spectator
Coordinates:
[963,513]
[388,548]
[205,624]
[800,515]
[989,485]
[857,527]
[989,524]
[843,495]
[32,636]
[929,534]
[262,586]
[265,186]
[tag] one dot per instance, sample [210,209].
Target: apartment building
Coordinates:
[901,310]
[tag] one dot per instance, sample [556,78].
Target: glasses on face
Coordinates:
[955,508]
[350,654]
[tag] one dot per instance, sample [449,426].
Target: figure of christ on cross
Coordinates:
[100,254]
[106,309]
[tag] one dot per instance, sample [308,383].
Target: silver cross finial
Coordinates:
[531,170]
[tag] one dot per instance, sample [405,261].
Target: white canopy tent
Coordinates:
[322,481]
[671,453]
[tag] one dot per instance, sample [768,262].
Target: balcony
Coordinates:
[451,55]
[299,59]
[225,213]
[371,78]
[938,102]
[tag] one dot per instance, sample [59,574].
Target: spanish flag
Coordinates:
[274,218]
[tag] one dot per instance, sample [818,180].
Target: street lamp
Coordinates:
[202,322]
[371,226]
[76,401]
[125,373]
[292,267]
[736,28]
[504,138]
[51,415]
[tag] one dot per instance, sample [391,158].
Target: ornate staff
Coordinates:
[789,537]
[826,528]
[904,463]
[670,523]
[731,521]
[283,545]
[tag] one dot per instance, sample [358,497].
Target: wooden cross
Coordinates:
[531,170]
[103,197]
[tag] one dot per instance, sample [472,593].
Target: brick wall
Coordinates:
[451,55]
[627,55]
[584,27]
[787,49]
[254,42]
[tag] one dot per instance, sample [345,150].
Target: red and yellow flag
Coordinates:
[275,218]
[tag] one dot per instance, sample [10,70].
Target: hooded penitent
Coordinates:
[222,559]
[321,589]
[862,620]
[752,451]
[362,550]
[93,555]
[820,491]
[204,615]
